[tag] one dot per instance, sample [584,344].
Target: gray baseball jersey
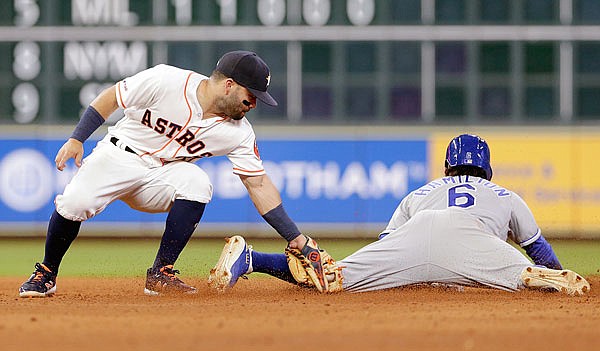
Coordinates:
[502,212]
[452,230]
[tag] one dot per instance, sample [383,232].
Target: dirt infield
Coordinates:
[266,314]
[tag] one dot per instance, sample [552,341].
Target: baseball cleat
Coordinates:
[164,281]
[42,283]
[564,281]
[235,262]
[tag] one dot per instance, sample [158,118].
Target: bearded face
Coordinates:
[235,104]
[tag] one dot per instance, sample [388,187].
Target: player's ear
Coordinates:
[228,84]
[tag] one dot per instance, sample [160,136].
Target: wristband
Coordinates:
[89,122]
[281,222]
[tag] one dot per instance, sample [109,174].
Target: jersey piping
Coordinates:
[186,123]
[531,240]
[246,171]
[120,95]
[195,133]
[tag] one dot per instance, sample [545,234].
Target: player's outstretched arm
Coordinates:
[262,191]
[267,200]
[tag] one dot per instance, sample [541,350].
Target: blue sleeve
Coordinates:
[542,254]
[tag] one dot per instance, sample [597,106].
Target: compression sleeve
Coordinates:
[282,223]
[89,122]
[542,254]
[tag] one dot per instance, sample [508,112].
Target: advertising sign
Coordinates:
[553,172]
[321,181]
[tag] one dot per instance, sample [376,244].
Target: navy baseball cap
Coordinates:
[249,71]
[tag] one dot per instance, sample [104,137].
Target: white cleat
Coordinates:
[565,281]
[235,262]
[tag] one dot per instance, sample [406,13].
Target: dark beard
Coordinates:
[236,117]
[231,108]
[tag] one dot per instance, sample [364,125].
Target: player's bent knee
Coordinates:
[76,209]
[194,185]
[197,192]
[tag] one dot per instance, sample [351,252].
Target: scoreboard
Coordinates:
[332,61]
[57,55]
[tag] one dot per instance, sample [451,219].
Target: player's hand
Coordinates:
[71,149]
[298,243]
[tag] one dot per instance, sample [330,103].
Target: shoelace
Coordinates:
[170,272]
[39,272]
[38,276]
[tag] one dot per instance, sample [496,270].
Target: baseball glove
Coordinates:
[314,268]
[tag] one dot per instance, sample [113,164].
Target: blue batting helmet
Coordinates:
[469,150]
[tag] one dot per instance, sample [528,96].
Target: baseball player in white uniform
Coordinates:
[451,231]
[173,117]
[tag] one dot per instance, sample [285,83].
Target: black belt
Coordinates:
[115,140]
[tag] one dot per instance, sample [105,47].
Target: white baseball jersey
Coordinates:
[164,127]
[163,122]
[452,230]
